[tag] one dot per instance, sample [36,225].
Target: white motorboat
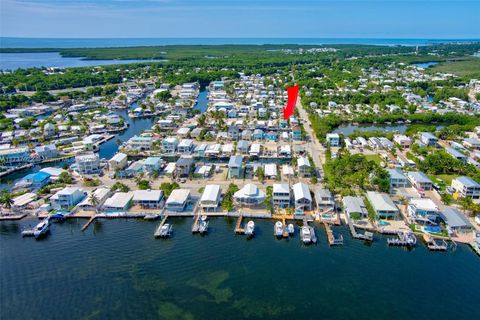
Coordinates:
[42,228]
[306,234]
[278,229]
[203,224]
[250,229]
[291,229]
[166,230]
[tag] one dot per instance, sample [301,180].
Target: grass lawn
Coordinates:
[374,157]
[447,178]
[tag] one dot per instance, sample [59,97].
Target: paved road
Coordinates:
[312,145]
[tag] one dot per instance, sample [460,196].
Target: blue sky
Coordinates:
[243,18]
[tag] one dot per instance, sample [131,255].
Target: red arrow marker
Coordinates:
[289,109]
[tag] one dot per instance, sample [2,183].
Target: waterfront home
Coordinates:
[87,163]
[233,133]
[402,140]
[148,199]
[183,132]
[456,221]
[48,151]
[246,134]
[285,151]
[49,129]
[178,200]
[281,195]
[152,165]
[302,197]
[169,145]
[166,124]
[54,172]
[200,150]
[120,201]
[383,205]
[34,181]
[25,201]
[423,210]
[457,154]
[140,143]
[211,197]
[243,146]
[235,167]
[135,168]
[68,197]
[303,167]
[324,200]
[271,136]
[255,149]
[333,139]
[12,156]
[420,181]
[249,195]
[270,170]
[257,134]
[428,139]
[183,166]
[203,171]
[185,146]
[355,205]
[227,149]
[101,194]
[118,161]
[213,150]
[397,178]
[466,187]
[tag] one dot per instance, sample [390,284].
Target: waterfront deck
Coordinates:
[332,240]
[238,226]
[158,232]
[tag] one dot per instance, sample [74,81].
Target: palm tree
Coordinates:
[94,201]
[467,204]
[6,200]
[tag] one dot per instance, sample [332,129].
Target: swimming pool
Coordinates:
[383,223]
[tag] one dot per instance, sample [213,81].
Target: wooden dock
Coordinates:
[435,244]
[196,224]
[332,240]
[238,227]
[92,218]
[159,228]
[13,217]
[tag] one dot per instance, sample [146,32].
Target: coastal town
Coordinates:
[390,149]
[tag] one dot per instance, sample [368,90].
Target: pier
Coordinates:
[92,218]
[367,235]
[332,240]
[196,224]
[238,227]
[435,244]
[406,239]
[158,231]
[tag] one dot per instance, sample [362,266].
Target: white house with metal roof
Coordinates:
[281,195]
[456,221]
[211,197]
[302,197]
[149,199]
[353,205]
[178,200]
[419,180]
[249,195]
[466,187]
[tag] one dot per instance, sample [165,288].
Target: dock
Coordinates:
[92,218]
[238,227]
[196,224]
[367,235]
[435,244]
[158,231]
[13,217]
[332,240]
[405,239]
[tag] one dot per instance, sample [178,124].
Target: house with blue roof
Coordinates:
[152,164]
[35,180]
[258,134]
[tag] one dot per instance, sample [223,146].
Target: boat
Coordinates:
[58,217]
[278,229]
[203,224]
[291,229]
[306,235]
[166,230]
[250,229]
[151,217]
[42,228]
